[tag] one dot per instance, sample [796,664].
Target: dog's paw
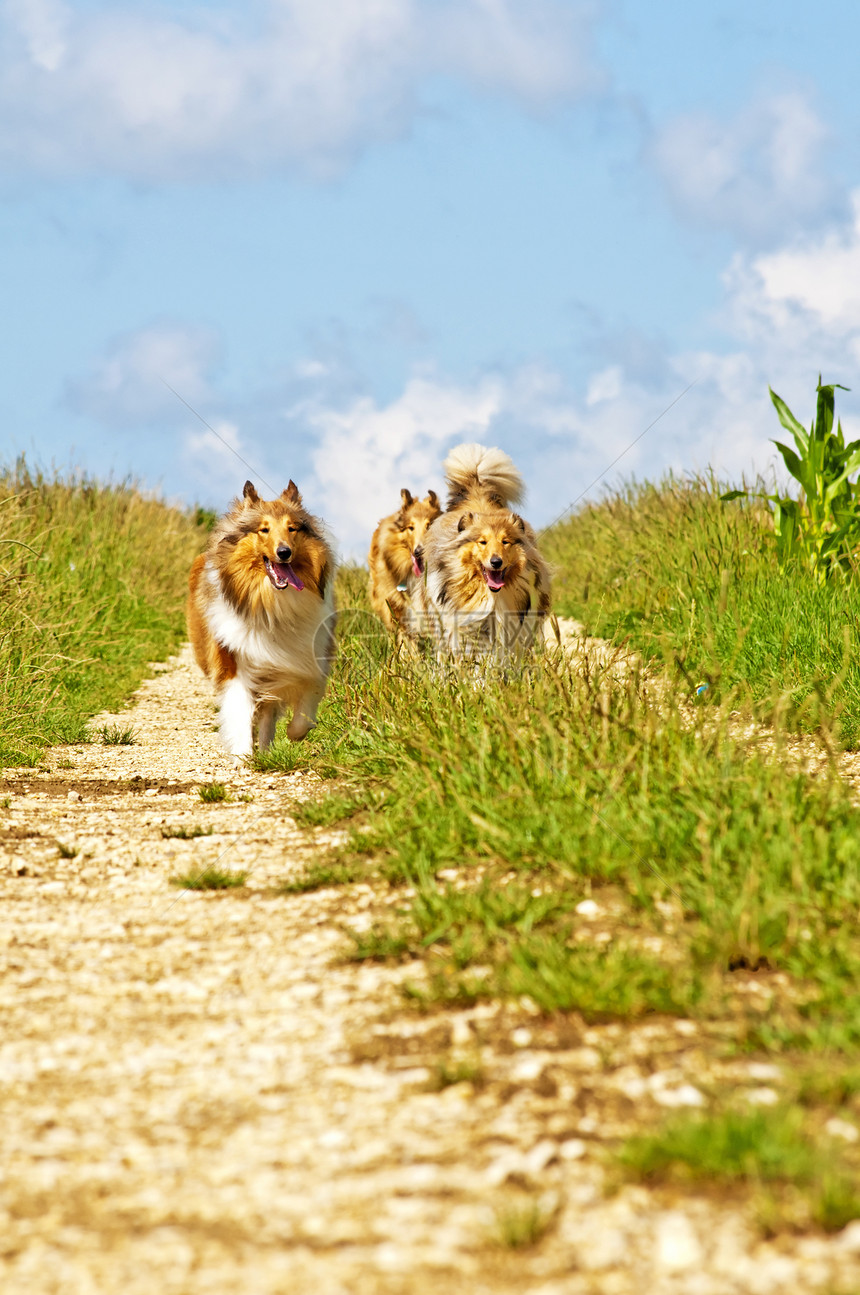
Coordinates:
[299,727]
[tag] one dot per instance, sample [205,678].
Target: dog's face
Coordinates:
[411,526]
[491,548]
[275,542]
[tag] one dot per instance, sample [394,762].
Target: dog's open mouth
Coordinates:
[282,574]
[417,562]
[495,579]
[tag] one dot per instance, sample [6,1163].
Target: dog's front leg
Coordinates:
[236,718]
[270,713]
[304,714]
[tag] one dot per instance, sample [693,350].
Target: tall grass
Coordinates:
[92,586]
[695,585]
[563,782]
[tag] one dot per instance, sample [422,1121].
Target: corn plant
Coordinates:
[821,529]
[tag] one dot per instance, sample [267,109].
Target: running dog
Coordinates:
[486,588]
[396,555]
[261,617]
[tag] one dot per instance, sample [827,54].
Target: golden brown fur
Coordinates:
[260,616]
[396,554]
[486,587]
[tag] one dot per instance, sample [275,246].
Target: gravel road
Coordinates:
[200,1095]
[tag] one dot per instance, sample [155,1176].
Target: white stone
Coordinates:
[588,908]
[762,1097]
[541,1154]
[763,1070]
[684,1095]
[676,1246]
[849,1238]
[73,795]
[521,1037]
[604,1248]
[572,1149]
[842,1129]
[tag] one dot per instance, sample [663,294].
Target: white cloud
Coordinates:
[365,453]
[758,175]
[787,315]
[820,277]
[126,387]
[220,93]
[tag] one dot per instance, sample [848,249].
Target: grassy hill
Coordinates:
[92,587]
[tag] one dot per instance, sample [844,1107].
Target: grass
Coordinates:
[519,1225]
[320,876]
[212,793]
[116,735]
[768,1151]
[694,584]
[570,780]
[83,606]
[210,879]
[448,1071]
[334,808]
[183,833]
[67,851]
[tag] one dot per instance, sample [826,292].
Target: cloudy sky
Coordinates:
[352,233]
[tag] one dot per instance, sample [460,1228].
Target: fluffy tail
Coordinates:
[477,469]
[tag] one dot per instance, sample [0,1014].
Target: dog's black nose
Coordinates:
[496,562]
[284,552]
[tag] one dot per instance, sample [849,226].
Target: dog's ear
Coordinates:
[250,494]
[465,520]
[432,499]
[291,494]
[406,496]
[518,522]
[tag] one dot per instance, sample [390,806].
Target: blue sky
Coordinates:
[351,233]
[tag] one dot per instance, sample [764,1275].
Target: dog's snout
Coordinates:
[496,562]
[284,552]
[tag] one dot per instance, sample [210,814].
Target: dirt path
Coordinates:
[198,1096]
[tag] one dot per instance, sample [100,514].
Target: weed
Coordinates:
[67,851]
[6,802]
[212,793]
[210,879]
[183,833]
[751,1146]
[377,945]
[116,735]
[65,764]
[793,1181]
[519,1225]
[448,1071]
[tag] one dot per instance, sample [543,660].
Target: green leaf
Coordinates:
[792,462]
[788,420]
[733,494]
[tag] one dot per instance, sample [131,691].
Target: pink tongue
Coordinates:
[284,571]
[415,566]
[495,582]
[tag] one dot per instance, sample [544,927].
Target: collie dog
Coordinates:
[486,588]
[261,617]
[396,554]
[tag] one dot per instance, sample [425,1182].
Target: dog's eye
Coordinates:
[484,542]
[264,530]
[292,529]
